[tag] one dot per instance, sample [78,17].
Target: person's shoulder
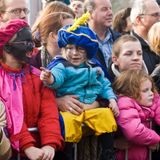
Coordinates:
[112,71]
[58,60]
[124,98]
[33,76]
[156,100]
[144,44]
[115,34]
[35,71]
[32,71]
[125,102]
[96,63]
[156,72]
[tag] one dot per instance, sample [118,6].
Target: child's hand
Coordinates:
[46,76]
[114,107]
[49,153]
[34,153]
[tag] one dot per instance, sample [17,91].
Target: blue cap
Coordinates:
[82,36]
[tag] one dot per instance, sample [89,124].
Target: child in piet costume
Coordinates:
[75,74]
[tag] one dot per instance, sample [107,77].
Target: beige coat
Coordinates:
[5,147]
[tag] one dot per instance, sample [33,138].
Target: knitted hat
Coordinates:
[79,35]
[9,31]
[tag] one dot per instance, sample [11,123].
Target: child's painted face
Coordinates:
[146,93]
[130,56]
[75,54]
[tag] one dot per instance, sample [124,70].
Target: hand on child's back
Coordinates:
[70,103]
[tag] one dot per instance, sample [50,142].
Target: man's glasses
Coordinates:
[156,14]
[18,11]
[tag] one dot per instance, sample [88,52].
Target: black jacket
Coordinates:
[150,58]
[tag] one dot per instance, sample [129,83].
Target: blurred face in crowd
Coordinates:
[102,14]
[68,21]
[53,38]
[78,8]
[15,9]
[151,15]
[130,56]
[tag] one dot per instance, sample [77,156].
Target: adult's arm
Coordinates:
[71,104]
[48,124]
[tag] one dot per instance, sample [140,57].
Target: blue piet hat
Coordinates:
[80,36]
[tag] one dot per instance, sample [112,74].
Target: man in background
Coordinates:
[13,9]
[100,22]
[144,13]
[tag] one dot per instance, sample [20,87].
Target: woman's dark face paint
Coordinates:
[21,45]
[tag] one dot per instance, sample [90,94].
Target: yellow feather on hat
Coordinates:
[80,21]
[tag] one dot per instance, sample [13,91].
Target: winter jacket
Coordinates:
[150,58]
[23,89]
[85,81]
[134,122]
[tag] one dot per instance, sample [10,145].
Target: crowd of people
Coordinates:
[77,70]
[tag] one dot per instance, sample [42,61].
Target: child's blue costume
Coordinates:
[87,81]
